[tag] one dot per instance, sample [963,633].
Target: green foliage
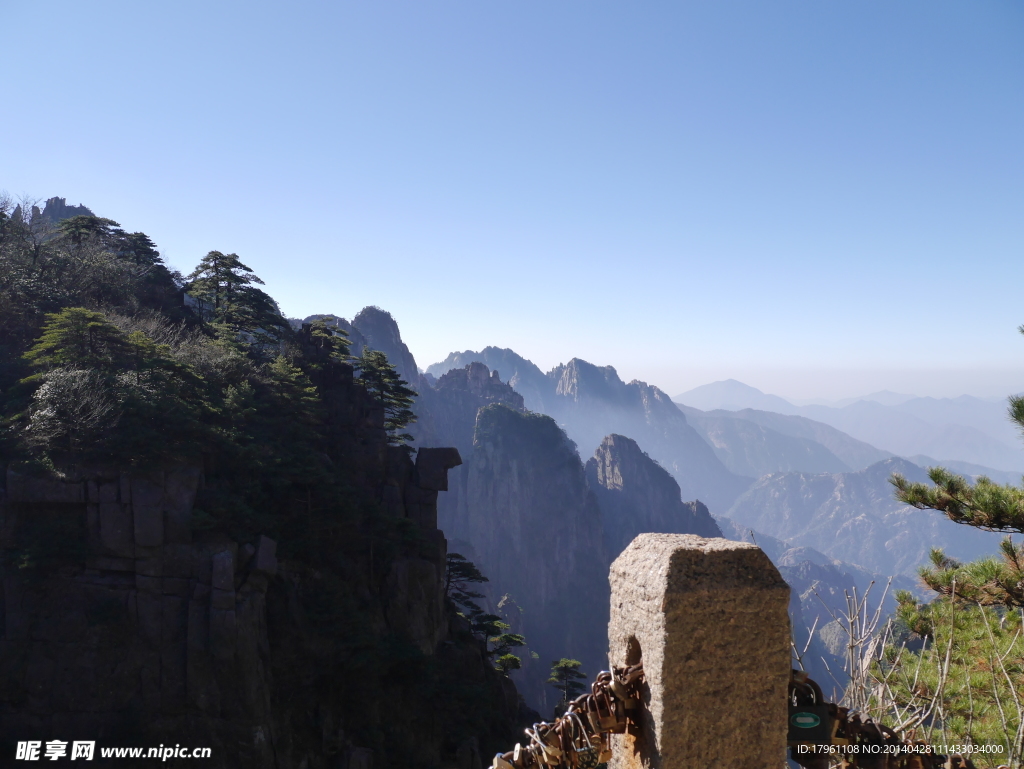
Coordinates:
[960,682]
[500,645]
[84,262]
[994,581]
[101,365]
[460,574]
[967,678]
[329,342]
[506,663]
[79,338]
[228,288]
[566,676]
[986,505]
[381,380]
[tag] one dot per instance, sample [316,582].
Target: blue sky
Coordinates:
[817,198]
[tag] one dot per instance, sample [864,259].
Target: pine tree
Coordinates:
[985,505]
[381,380]
[460,573]
[229,288]
[566,676]
[79,338]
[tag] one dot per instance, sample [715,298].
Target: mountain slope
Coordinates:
[523,375]
[591,402]
[906,434]
[748,448]
[853,517]
[637,495]
[854,453]
[536,532]
[967,429]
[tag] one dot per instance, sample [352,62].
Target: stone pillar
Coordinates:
[708,618]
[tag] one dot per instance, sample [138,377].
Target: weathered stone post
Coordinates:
[708,618]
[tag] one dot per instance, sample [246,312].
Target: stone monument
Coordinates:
[708,618]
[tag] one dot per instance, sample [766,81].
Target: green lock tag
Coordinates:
[809,724]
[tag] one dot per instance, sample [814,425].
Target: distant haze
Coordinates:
[821,200]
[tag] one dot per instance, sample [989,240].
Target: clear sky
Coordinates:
[817,198]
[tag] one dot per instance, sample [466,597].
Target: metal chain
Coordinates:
[581,739]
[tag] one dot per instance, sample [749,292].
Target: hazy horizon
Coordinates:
[818,200]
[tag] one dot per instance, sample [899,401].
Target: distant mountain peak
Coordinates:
[733,395]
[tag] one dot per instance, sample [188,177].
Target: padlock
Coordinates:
[586,755]
[612,719]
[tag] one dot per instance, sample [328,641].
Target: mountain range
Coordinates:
[965,428]
[616,458]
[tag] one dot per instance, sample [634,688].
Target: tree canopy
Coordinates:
[392,392]
[227,289]
[566,676]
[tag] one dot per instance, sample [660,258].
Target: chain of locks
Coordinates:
[580,739]
[854,739]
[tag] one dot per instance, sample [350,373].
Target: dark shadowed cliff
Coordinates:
[537,533]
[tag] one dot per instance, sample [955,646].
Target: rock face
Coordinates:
[707,617]
[134,627]
[54,211]
[637,495]
[593,402]
[381,332]
[590,402]
[449,418]
[522,375]
[537,533]
[854,518]
[170,630]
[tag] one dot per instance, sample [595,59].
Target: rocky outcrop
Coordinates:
[152,628]
[637,495]
[594,402]
[54,211]
[521,374]
[590,402]
[381,332]
[448,417]
[537,532]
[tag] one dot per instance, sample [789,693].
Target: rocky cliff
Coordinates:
[130,615]
[522,375]
[637,495]
[537,533]
[381,332]
[449,416]
[592,402]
